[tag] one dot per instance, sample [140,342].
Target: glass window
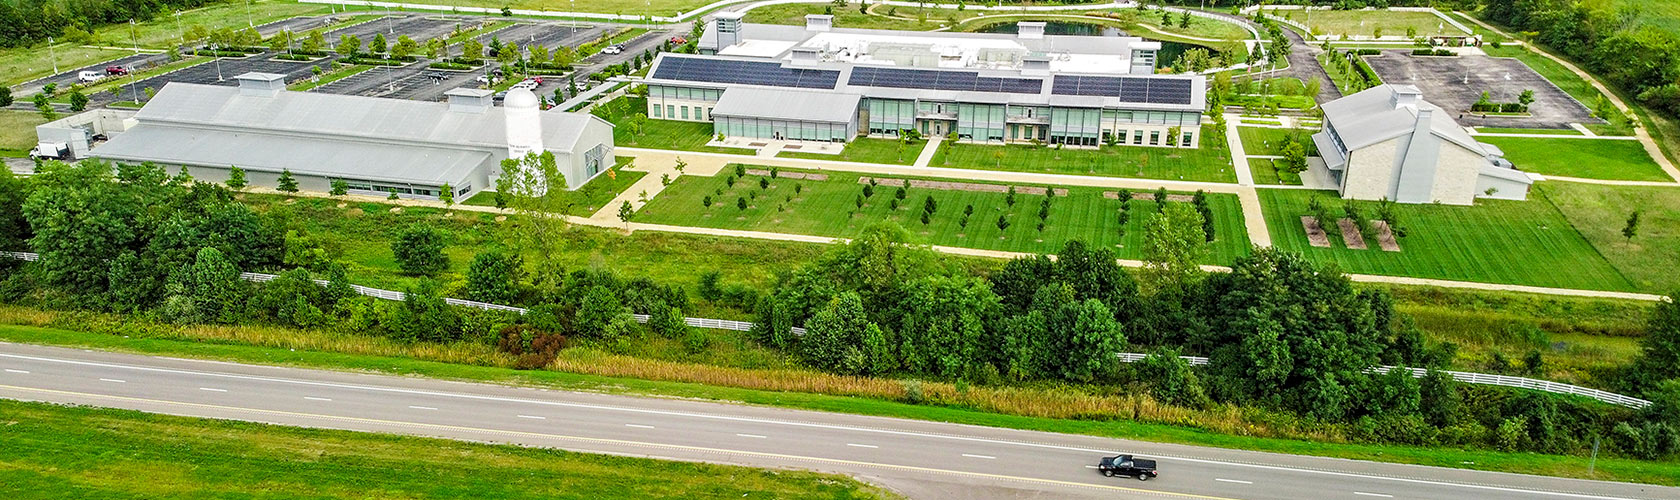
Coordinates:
[671,111]
[657,111]
[685,112]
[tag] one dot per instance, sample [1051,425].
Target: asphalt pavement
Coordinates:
[918,458]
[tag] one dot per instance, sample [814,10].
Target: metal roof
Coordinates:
[263,152]
[779,104]
[1370,116]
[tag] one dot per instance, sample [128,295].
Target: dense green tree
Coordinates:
[494,276]
[14,226]
[424,316]
[943,330]
[207,291]
[603,315]
[668,322]
[1172,247]
[419,250]
[81,220]
[1170,379]
[834,339]
[1659,354]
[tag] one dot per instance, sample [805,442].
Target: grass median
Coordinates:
[788,389]
[57,451]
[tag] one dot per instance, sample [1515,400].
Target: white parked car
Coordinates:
[612,49]
[90,76]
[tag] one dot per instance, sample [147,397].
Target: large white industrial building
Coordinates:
[821,83]
[375,145]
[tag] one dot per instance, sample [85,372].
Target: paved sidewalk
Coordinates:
[932,147]
[1239,156]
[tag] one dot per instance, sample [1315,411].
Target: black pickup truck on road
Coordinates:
[1126,465]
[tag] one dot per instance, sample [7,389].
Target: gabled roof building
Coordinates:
[375,145]
[1386,142]
[838,83]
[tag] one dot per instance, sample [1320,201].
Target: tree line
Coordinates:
[1282,334]
[27,22]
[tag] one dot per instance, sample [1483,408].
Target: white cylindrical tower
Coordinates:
[524,127]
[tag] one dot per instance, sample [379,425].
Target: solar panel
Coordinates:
[866,76]
[1128,89]
[701,69]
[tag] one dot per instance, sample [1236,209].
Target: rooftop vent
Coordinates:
[261,84]
[806,56]
[1035,65]
[1030,30]
[465,100]
[818,22]
[1407,96]
[728,29]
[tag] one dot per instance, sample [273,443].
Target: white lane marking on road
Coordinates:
[532,417]
[1361,493]
[855,445]
[727,418]
[313,398]
[987,457]
[9,370]
[114,381]
[212,389]
[754,436]
[1090,466]
[421,407]
[639,426]
[1238,481]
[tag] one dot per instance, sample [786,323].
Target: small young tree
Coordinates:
[419,250]
[1632,228]
[339,187]
[378,44]
[625,212]
[78,101]
[236,178]
[741,203]
[286,183]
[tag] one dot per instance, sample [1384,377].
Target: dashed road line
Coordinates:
[753,436]
[421,407]
[114,381]
[855,445]
[532,417]
[1379,495]
[987,457]
[1238,481]
[212,389]
[9,370]
[639,426]
[313,398]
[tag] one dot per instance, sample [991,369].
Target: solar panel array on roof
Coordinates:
[701,69]
[1129,89]
[941,80]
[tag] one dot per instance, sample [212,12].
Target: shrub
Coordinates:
[419,250]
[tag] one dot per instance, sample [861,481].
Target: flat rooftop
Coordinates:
[946,50]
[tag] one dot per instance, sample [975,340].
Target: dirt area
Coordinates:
[1315,234]
[1350,234]
[965,186]
[1150,196]
[788,175]
[1385,236]
[1454,83]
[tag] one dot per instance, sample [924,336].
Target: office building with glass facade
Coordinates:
[977,87]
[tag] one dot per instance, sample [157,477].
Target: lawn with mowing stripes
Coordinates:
[586,200]
[1530,131]
[1209,163]
[867,150]
[828,208]
[1612,159]
[1269,141]
[1266,173]
[1495,241]
[57,451]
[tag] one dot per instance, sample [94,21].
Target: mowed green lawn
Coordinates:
[17,131]
[1612,159]
[1266,172]
[828,208]
[1209,163]
[1495,241]
[657,134]
[1650,258]
[82,452]
[1364,22]
[868,150]
[586,200]
[1269,141]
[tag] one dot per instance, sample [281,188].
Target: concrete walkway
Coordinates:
[1560,136]
[1609,182]
[1639,132]
[932,147]
[1239,156]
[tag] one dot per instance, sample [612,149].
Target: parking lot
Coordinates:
[1455,83]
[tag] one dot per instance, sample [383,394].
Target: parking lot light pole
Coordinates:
[135,34]
[52,53]
[218,65]
[178,29]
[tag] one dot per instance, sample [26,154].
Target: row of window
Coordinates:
[684,93]
[782,129]
[410,189]
[672,112]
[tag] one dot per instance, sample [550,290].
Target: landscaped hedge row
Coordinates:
[1499,107]
[1432,52]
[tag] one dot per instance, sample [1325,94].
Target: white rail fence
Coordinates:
[1127,357]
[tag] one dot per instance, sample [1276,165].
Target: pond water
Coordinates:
[1169,50]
